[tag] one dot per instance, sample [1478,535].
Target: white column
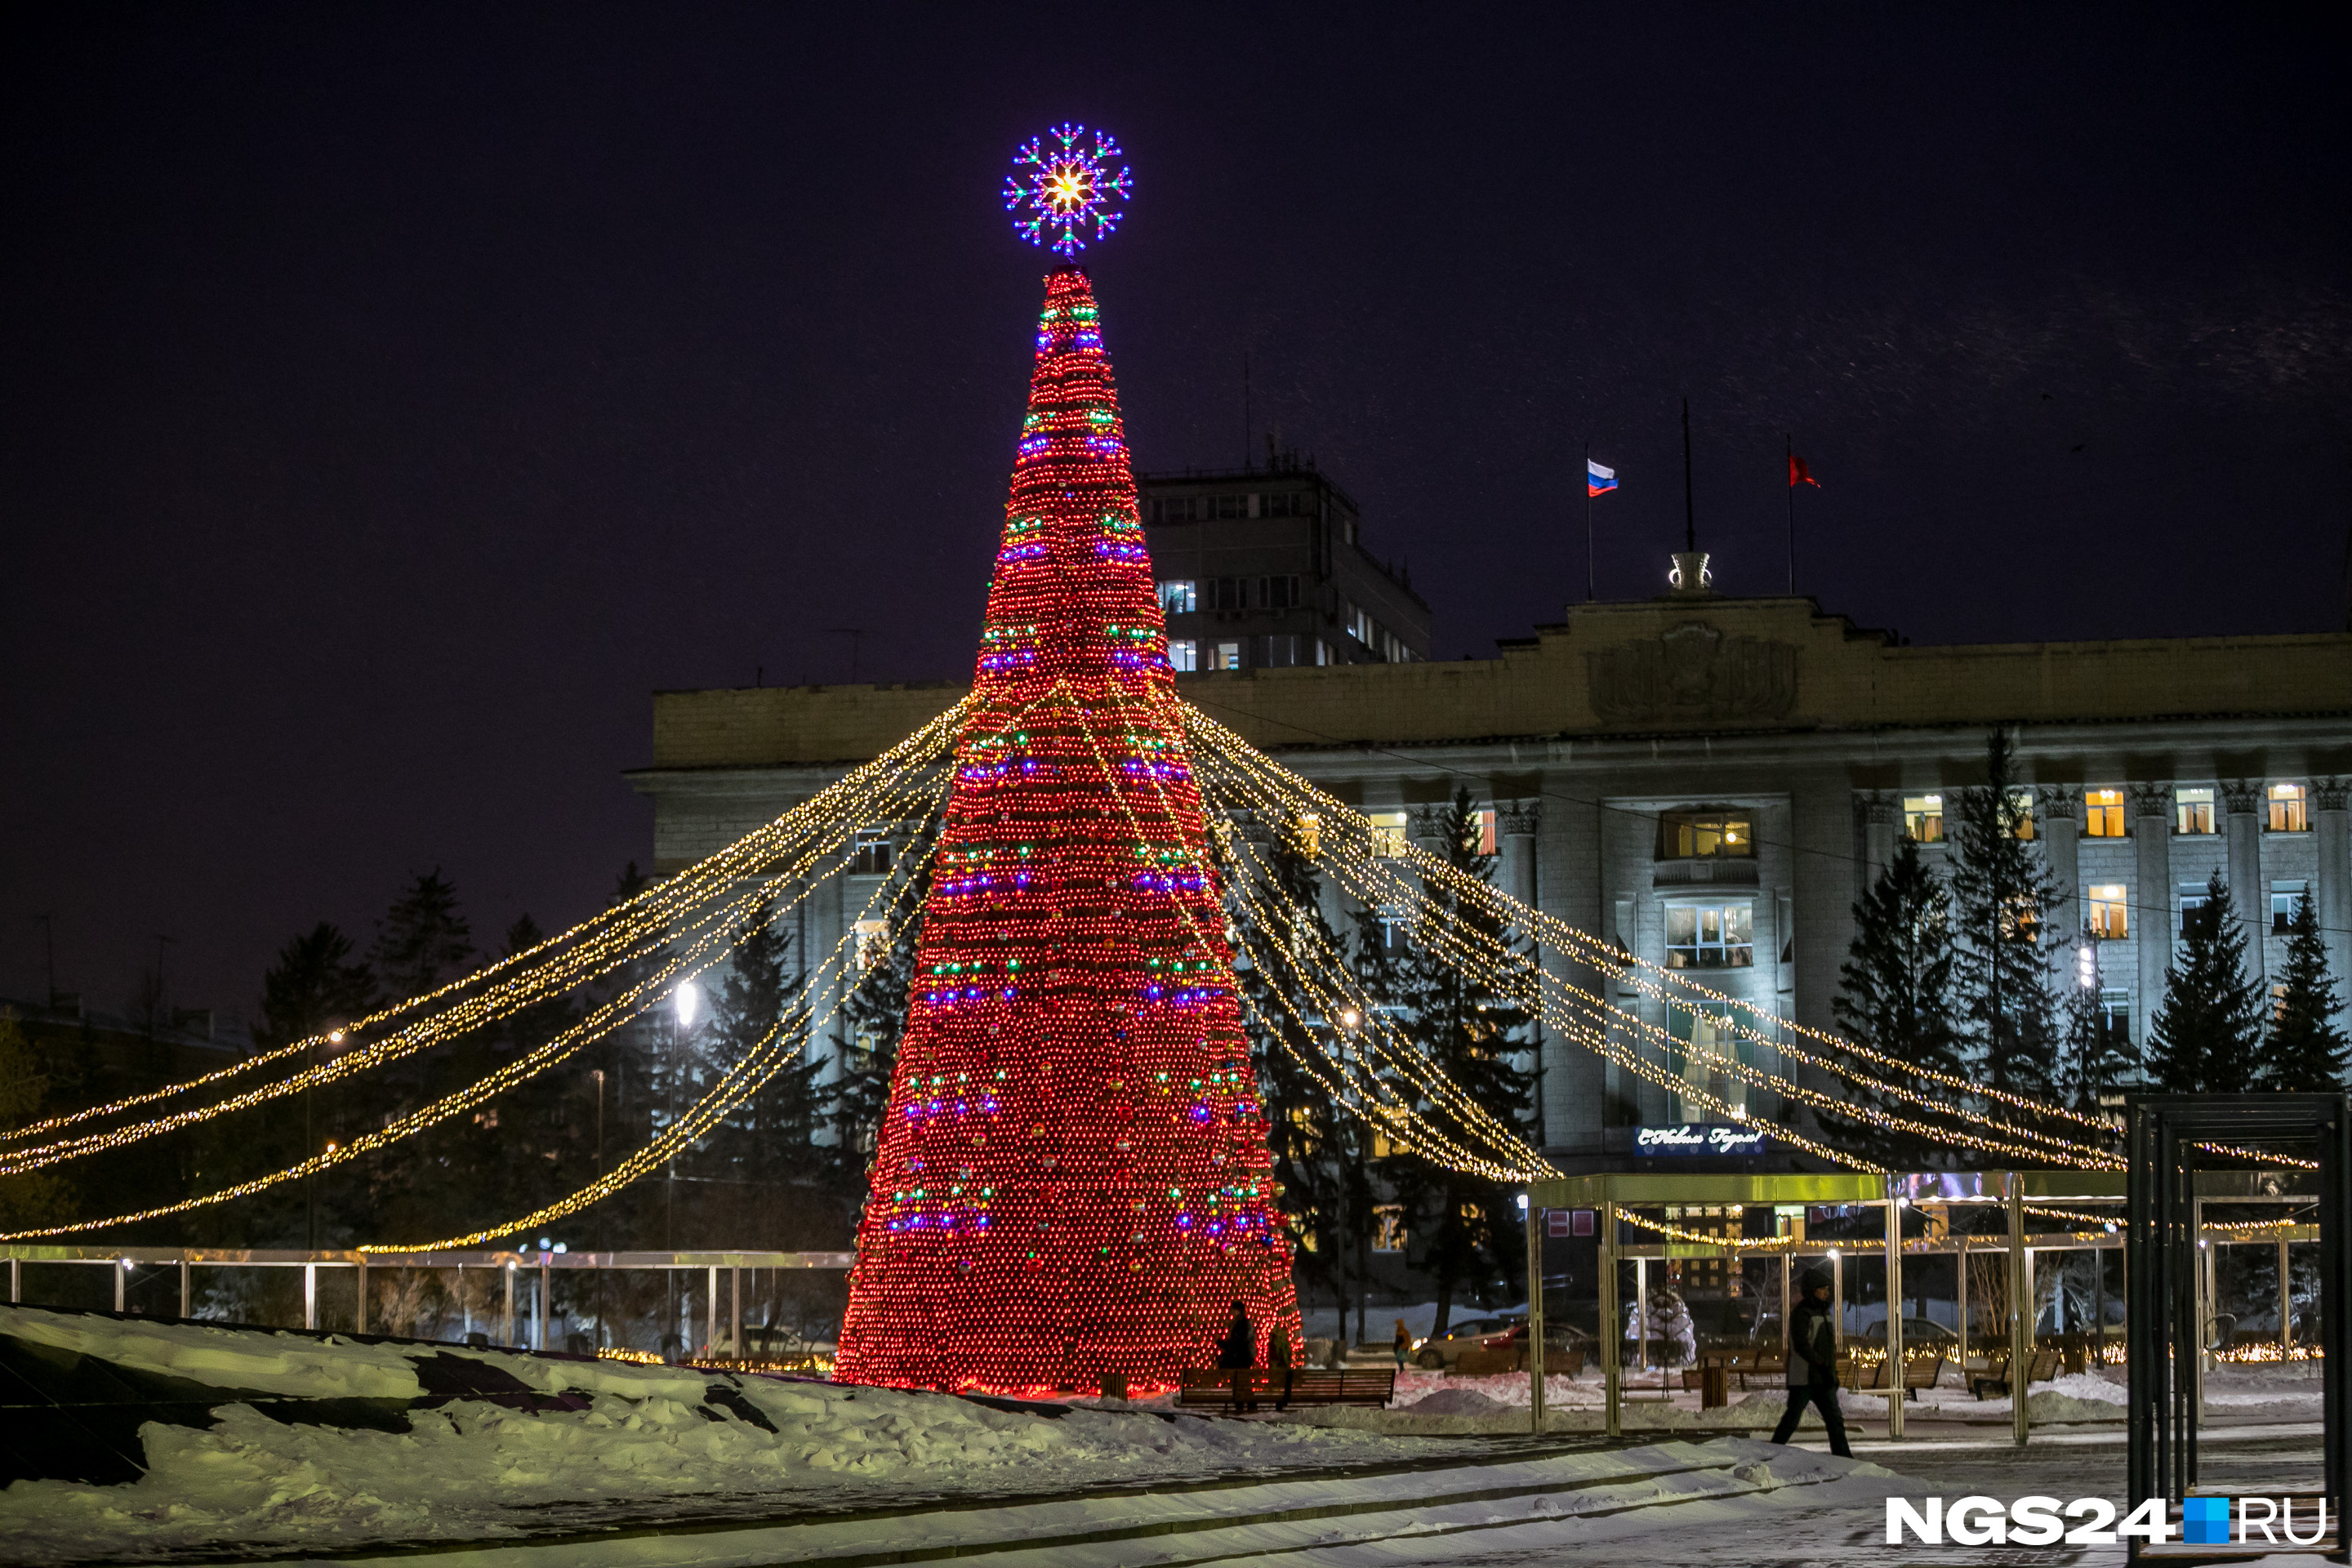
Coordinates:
[539,1308]
[310,1295]
[187,1299]
[2244,799]
[121,1278]
[506,1319]
[2152,913]
[2331,896]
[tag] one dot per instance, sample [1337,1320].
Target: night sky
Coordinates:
[395,396]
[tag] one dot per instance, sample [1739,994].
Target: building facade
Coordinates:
[1265,568]
[1711,782]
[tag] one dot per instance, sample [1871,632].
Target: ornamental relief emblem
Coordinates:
[1694,671]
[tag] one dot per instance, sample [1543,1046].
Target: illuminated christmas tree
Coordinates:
[1072,1178]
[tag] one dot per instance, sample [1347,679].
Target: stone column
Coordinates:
[1820,819]
[2331,894]
[1878,808]
[1516,824]
[1568,881]
[2057,808]
[2152,925]
[2244,799]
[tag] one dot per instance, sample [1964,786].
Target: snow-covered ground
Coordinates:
[641,1436]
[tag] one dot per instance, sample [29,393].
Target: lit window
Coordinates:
[1183,654]
[1704,836]
[1226,656]
[870,855]
[1710,936]
[1485,833]
[871,940]
[1388,1227]
[2103,813]
[2194,809]
[2287,809]
[1178,595]
[2284,896]
[1388,832]
[1363,627]
[2110,917]
[2020,811]
[1923,818]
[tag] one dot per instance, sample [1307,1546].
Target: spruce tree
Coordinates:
[1475,1036]
[766,1150]
[2204,1037]
[1895,996]
[1314,1140]
[2305,1052]
[2002,898]
[874,1018]
[2098,1054]
[423,940]
[40,1197]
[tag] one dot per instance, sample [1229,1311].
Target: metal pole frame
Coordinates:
[1612,1343]
[1535,1319]
[2020,1310]
[1894,1378]
[2163,1324]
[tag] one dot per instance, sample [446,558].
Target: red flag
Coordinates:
[1801,474]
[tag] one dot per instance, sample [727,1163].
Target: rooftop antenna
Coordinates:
[853,634]
[1690,514]
[1246,412]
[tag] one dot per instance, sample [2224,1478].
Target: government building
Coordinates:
[1709,782]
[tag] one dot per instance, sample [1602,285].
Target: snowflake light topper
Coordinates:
[1060,187]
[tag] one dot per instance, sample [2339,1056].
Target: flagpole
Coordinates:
[1792,441]
[1589,595]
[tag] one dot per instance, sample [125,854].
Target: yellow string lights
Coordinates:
[680,928]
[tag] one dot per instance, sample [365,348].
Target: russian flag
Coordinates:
[1598,480]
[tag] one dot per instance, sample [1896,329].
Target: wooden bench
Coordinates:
[1919,1373]
[1995,1376]
[1754,1363]
[1216,1388]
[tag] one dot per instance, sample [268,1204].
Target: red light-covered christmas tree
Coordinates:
[1072,1180]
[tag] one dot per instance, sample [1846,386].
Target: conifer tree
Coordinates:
[767,1146]
[36,1197]
[1474,1036]
[317,984]
[2205,1035]
[1895,996]
[2305,1052]
[2002,898]
[874,1019]
[2098,1055]
[424,939]
[1312,1138]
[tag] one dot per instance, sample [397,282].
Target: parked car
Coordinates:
[1917,1333]
[1439,1352]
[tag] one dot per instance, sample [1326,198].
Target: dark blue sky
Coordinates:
[396,396]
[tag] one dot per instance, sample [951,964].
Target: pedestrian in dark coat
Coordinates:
[1812,1364]
[1239,1348]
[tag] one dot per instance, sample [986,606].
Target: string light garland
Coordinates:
[1072,1179]
[1346,843]
[1063,186]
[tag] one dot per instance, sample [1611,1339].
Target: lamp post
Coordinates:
[684,1004]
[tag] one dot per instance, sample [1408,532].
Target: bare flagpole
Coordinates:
[1791,476]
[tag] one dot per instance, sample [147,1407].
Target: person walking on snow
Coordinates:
[1812,1364]
[1403,1345]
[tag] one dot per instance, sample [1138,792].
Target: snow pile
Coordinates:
[468,1467]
